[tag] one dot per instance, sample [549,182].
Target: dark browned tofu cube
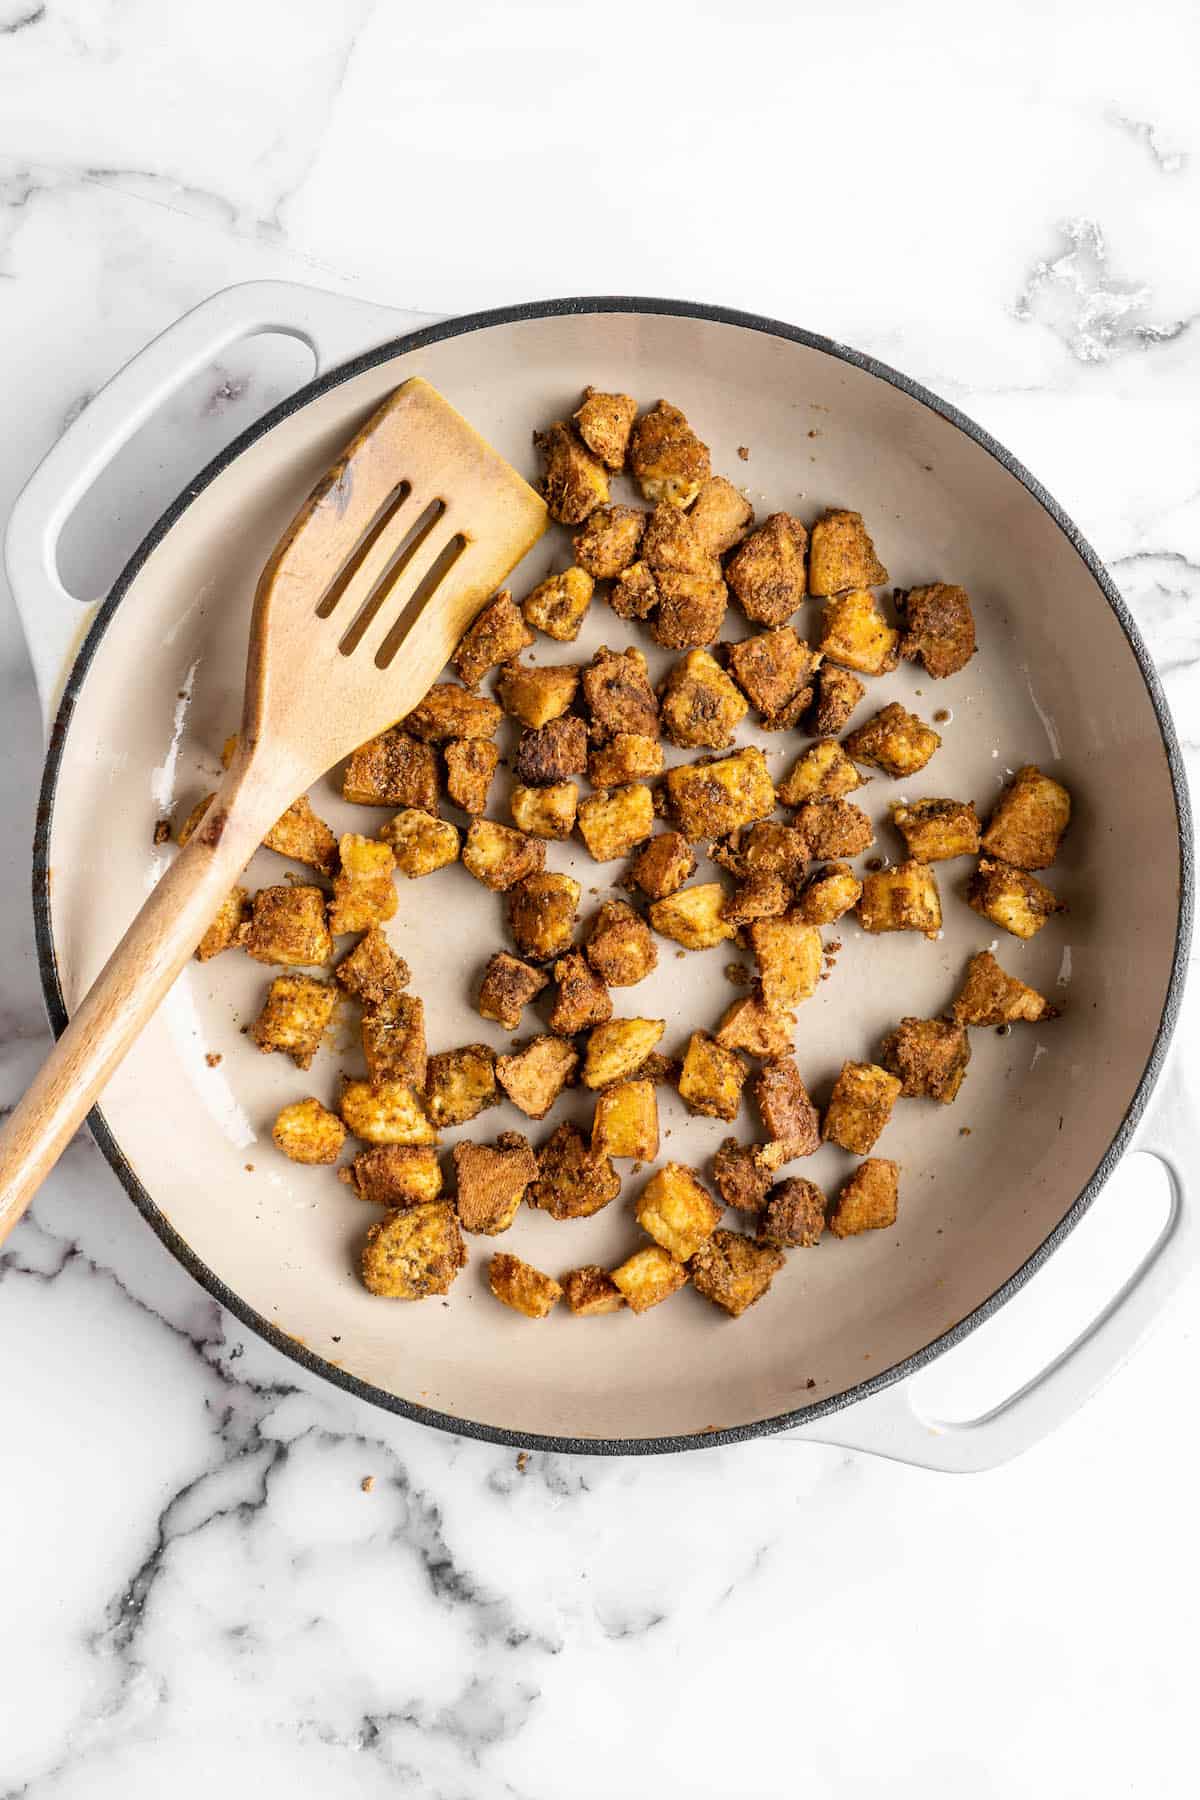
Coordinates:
[630,756]
[794,1216]
[393,770]
[230,926]
[553,753]
[838,692]
[905,898]
[604,422]
[394,1174]
[742,1175]
[459,1084]
[620,948]
[612,824]
[533,1078]
[541,914]
[308,1132]
[559,604]
[842,555]
[691,610]
[649,1277]
[664,865]
[288,927]
[733,1271]
[855,633]
[535,696]
[364,888]
[634,594]
[828,894]
[294,1017]
[990,997]
[834,828]
[774,669]
[822,772]
[936,830]
[767,574]
[677,1211]
[767,848]
[582,999]
[701,707]
[372,972]
[617,691]
[789,956]
[393,1037]
[573,1182]
[498,634]
[721,516]
[860,1106]
[758,1029]
[668,460]
[929,1056]
[545,812]
[414,1251]
[608,543]
[710,799]
[449,711]
[574,482]
[710,1081]
[519,1285]
[299,833]
[757,897]
[625,1122]
[1012,898]
[895,741]
[420,843]
[939,628]
[470,766]
[507,987]
[1028,821]
[591,1291]
[868,1200]
[791,1119]
[500,857]
[492,1182]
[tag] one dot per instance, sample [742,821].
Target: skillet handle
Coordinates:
[889,1423]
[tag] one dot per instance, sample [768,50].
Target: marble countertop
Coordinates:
[201,1588]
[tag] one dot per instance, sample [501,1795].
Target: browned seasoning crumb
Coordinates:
[522,1461]
[738,974]
[743,452]
[681,954]
[810,1383]
[814,433]
[1004,1031]
[941,715]
[367,1483]
[875,864]
[964,1131]
[162,831]
[213,1058]
[249,1168]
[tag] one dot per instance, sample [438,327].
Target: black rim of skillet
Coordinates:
[498,1434]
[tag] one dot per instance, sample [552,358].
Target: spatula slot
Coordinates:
[396,564]
[422,593]
[362,549]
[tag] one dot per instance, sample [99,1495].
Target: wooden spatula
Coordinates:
[361,605]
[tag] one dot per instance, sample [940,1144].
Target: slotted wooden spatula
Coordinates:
[358,610]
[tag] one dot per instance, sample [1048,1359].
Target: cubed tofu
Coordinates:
[833,829]
[541,914]
[829,893]
[677,1211]
[721,515]
[649,1277]
[618,1049]
[905,898]
[470,766]
[774,669]
[733,1271]
[393,770]
[591,1290]
[413,1252]
[372,972]
[492,1181]
[625,1122]
[1028,821]
[928,1056]
[838,692]
[612,824]
[420,843]
[860,1106]
[534,1077]
[842,555]
[630,756]
[228,930]
[288,927]
[364,888]
[789,955]
[582,999]
[868,1199]
[990,997]
[758,897]
[936,830]
[308,1132]
[710,1081]
[393,1039]
[498,634]
[385,1112]
[617,692]
[1012,898]
[574,482]
[822,772]
[694,916]
[691,610]
[573,1182]
[855,633]
[500,857]
[535,696]
[394,1174]
[545,812]
[668,460]
[768,574]
[712,798]
[460,1084]
[895,741]
[664,865]
[758,1029]
[552,753]
[604,422]
[791,1119]
[634,594]
[449,711]
[522,1287]
[794,1215]
[701,707]
[294,1017]
[507,987]
[768,848]
[299,834]
[619,947]
[671,546]
[939,628]
[608,543]
[742,1175]
[558,605]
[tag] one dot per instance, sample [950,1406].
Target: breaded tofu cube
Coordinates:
[492,1182]
[498,634]
[668,460]
[838,692]
[459,1084]
[829,893]
[619,947]
[789,955]
[500,857]
[741,1175]
[552,753]
[905,898]
[364,888]
[929,1056]
[591,1291]
[1028,820]
[394,1174]
[535,696]
[617,692]
[582,999]
[721,516]
[860,1106]
[574,482]
[308,1132]
[299,834]
[936,830]
[649,1277]
[413,1252]
[868,1199]
[794,1215]
[625,1122]
[712,798]
[774,669]
[710,1081]
[507,987]
[385,1112]
[671,546]
[288,927]
[792,1121]
[823,772]
[534,1077]
[691,610]
[608,543]
[842,555]
[634,594]
[604,422]
[470,766]
[449,711]
[758,897]
[767,574]
[294,1017]
[573,1182]
[694,916]
[611,824]
[855,633]
[895,741]
[1012,898]
[733,1271]
[939,628]
[420,843]
[833,828]
[559,604]
[393,1039]
[541,914]
[701,707]
[392,770]
[630,756]
[664,865]
[230,926]
[677,1211]
[768,848]
[618,1049]
[751,1025]
[990,997]
[372,972]
[545,812]
[519,1285]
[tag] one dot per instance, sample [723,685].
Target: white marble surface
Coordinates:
[197,1593]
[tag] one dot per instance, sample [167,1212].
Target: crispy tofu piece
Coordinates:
[617,691]
[582,999]
[492,1182]
[823,772]
[393,770]
[385,1112]
[545,812]
[833,828]
[649,1277]
[187,830]
[929,1057]
[838,692]
[534,1077]
[535,696]
[519,1285]
[721,516]
[420,843]
[701,707]
[742,1175]
[625,1122]
[668,460]
[394,1174]
[470,766]
[691,610]
[710,1081]
[609,541]
[829,893]
[591,1291]
[794,1216]
[559,604]
[634,594]
[895,741]
[677,1211]
[939,628]
[612,824]
[1012,898]
[552,753]
[294,1017]
[990,997]
[541,914]
[507,987]
[855,633]
[671,546]
[604,422]
[299,834]
[789,955]
[449,711]
[712,798]
[229,928]
[733,1271]
[574,482]
[460,1084]
[758,1029]
[573,1182]
[288,927]
[372,972]
[630,756]
[767,574]
[498,634]
[393,1039]
[1028,820]
[842,555]
[792,1121]
[694,916]
[774,669]
[905,898]
[664,865]
[757,897]
[860,1106]
[500,857]
[364,888]
[413,1252]
[936,830]
[868,1199]
[618,1049]
[619,947]
[308,1132]
[768,848]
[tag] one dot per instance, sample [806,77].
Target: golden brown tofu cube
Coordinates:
[574,482]
[616,688]
[308,1132]
[492,1182]
[791,1119]
[470,766]
[364,889]
[420,843]
[664,865]
[742,1175]
[372,972]
[299,833]
[559,604]
[671,546]
[1012,898]
[895,741]
[842,555]
[774,669]
[860,1106]
[823,772]
[990,997]
[868,1199]
[534,1077]
[758,897]
[449,711]
[833,828]
[939,628]
[611,824]
[618,1048]
[507,987]
[625,1122]
[541,914]
[828,894]
[668,460]
[710,1081]
[591,1291]
[794,1216]
[634,594]
[691,610]
[393,1038]
[768,848]
[838,692]
[701,707]
[789,956]
[459,1084]
[721,516]
[519,1285]
[631,756]
[767,574]
[393,770]
[414,1251]
[500,857]
[905,898]
[582,999]
[498,634]
[294,1017]
[758,1029]
[620,948]
[553,753]
[855,633]
[573,1182]
[1028,821]
[694,916]
[733,1271]
[288,927]
[929,1056]
[229,928]
[535,696]
[936,830]
[608,543]
[394,1174]
[545,812]
[676,1211]
[649,1277]
[604,422]
[712,798]
[385,1112]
